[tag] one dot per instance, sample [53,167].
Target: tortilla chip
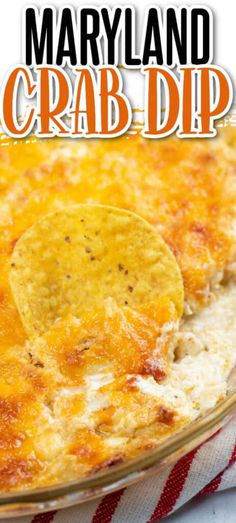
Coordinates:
[72,260]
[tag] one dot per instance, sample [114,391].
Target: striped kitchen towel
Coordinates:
[209,468]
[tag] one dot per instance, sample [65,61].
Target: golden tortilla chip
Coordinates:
[72,260]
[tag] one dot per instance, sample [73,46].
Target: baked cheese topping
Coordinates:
[99,389]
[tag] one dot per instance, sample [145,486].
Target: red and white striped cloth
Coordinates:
[209,468]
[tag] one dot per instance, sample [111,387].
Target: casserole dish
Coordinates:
[139,419]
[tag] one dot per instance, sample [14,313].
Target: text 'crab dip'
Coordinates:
[97,388]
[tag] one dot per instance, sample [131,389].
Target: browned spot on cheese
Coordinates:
[165,415]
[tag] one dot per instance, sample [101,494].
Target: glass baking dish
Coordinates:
[30,502]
